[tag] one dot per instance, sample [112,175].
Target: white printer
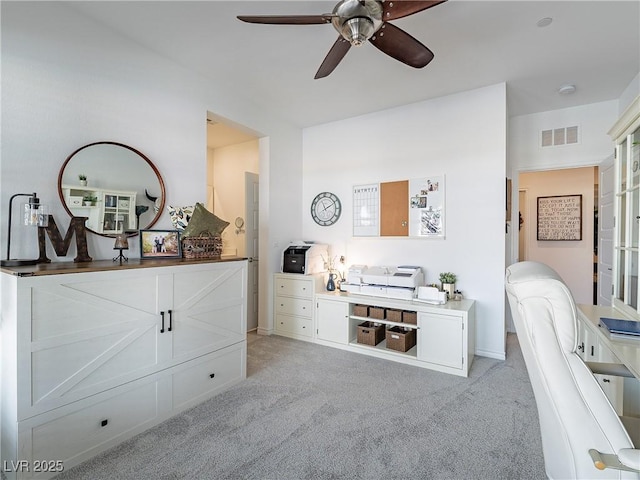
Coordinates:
[392,282]
[305,258]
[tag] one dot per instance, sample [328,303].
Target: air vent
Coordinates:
[559,136]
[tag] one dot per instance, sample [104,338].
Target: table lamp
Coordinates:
[35,214]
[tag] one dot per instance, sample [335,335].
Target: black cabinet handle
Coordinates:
[104,422]
[211,375]
[162,315]
[592,352]
[170,320]
[581,347]
[606,380]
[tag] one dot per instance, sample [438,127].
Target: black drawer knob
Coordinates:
[104,422]
[211,375]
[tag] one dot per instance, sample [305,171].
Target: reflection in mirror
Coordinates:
[115,186]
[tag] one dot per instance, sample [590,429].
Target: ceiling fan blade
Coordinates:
[287,19]
[392,9]
[398,44]
[333,58]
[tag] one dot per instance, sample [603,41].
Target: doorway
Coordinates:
[523,225]
[233,194]
[572,259]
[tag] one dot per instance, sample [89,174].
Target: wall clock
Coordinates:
[326,209]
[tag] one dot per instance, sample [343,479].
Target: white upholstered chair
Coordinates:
[582,436]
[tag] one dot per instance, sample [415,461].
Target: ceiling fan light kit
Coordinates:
[358,21]
[357,30]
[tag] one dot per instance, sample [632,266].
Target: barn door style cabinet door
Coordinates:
[97,357]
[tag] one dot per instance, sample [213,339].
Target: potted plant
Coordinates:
[448,281]
[89,200]
[83,179]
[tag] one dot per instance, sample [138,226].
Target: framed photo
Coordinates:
[560,218]
[160,244]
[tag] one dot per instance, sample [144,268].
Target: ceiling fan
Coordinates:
[358,21]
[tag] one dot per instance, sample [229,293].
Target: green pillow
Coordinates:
[203,222]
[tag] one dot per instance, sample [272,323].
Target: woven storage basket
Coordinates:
[394,315]
[203,246]
[377,313]
[400,340]
[361,310]
[410,317]
[370,334]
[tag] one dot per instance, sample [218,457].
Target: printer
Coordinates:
[392,282]
[305,258]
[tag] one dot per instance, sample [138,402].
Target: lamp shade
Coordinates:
[121,242]
[35,214]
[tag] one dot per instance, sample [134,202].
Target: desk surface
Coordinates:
[628,351]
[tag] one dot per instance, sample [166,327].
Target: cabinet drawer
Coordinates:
[79,432]
[294,306]
[295,325]
[298,287]
[197,380]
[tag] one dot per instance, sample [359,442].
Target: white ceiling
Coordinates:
[592,44]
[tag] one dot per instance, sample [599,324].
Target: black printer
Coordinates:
[304,258]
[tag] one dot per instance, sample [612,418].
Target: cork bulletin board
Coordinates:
[560,217]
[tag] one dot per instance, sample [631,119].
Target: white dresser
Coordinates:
[293,304]
[95,353]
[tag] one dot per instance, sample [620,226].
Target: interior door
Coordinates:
[252,239]
[606,222]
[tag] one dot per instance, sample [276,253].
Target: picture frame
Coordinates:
[160,244]
[560,218]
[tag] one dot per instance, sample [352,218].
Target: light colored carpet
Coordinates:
[313,412]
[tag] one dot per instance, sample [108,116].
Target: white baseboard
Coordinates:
[490,354]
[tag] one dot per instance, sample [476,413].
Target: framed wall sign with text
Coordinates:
[560,218]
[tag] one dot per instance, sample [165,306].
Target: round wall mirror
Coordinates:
[115,186]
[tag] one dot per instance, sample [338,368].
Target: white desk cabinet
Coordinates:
[445,334]
[441,339]
[596,345]
[331,319]
[293,304]
[96,357]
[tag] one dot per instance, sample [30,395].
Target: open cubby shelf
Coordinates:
[385,322]
[382,346]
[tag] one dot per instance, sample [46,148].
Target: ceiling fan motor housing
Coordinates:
[357,20]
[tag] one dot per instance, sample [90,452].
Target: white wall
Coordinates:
[526,155]
[573,260]
[462,136]
[594,121]
[68,81]
[227,168]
